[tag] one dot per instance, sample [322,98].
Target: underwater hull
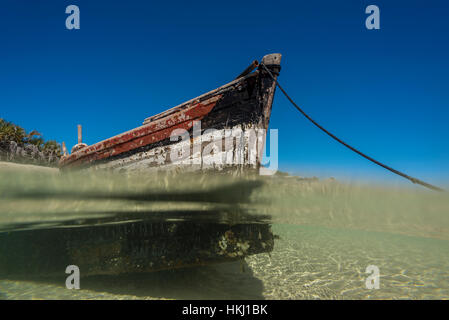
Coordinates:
[129,247]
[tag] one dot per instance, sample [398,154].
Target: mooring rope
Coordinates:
[412,179]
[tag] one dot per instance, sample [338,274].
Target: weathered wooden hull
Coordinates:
[224,128]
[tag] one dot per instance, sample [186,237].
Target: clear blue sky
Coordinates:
[384,91]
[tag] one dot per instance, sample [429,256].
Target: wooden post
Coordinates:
[80,145]
[80,134]
[64,149]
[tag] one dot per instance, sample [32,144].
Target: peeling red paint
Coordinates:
[153,132]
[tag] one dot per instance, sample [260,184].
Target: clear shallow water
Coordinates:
[329,233]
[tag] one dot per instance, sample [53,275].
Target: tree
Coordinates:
[10,132]
[52,146]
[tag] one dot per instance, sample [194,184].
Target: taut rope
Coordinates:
[412,179]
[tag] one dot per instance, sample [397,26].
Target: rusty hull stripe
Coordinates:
[143,135]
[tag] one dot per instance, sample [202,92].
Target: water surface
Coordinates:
[329,232]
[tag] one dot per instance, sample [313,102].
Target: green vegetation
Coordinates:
[17,145]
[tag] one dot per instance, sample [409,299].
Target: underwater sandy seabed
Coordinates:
[329,233]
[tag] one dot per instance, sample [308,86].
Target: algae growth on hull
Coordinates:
[329,232]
